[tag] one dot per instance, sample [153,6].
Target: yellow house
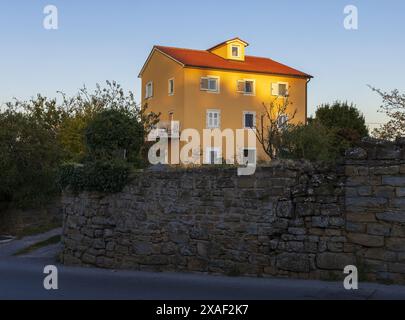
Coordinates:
[221,87]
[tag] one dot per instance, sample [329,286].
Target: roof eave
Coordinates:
[303,76]
[155,48]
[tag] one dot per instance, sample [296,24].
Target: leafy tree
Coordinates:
[114,134]
[313,142]
[394,107]
[29,159]
[348,122]
[38,135]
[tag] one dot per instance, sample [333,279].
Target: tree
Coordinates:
[394,107]
[30,156]
[313,142]
[272,122]
[346,119]
[115,133]
[39,135]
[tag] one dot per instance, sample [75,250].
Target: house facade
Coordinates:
[221,87]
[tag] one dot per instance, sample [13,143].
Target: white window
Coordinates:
[235,51]
[249,120]
[247,87]
[279,89]
[209,84]
[213,119]
[149,90]
[282,121]
[171,87]
[213,156]
[249,156]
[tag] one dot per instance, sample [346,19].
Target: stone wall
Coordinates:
[375,209]
[291,219]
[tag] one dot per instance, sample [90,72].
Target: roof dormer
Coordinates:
[233,49]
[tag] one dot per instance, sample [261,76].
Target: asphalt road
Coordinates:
[22,278]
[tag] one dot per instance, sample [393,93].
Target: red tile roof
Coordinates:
[206,59]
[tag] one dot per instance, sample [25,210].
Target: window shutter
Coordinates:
[151,89]
[287,86]
[241,86]
[274,89]
[204,84]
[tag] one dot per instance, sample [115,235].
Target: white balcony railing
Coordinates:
[169,129]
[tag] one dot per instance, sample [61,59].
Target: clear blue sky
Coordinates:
[104,39]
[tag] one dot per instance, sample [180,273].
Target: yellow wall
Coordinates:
[190,104]
[159,70]
[232,104]
[225,50]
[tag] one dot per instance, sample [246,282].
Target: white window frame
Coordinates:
[208,155]
[217,111]
[244,119]
[238,46]
[149,95]
[171,80]
[275,92]
[283,124]
[218,79]
[253,93]
[249,149]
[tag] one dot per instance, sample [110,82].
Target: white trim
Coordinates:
[244,89]
[218,84]
[147,96]
[278,88]
[208,151]
[254,87]
[239,47]
[217,111]
[244,119]
[249,149]
[168,84]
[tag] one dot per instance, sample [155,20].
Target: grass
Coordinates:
[37,229]
[39,245]
[22,223]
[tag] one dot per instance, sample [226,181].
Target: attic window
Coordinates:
[235,51]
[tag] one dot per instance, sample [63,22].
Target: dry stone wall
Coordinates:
[291,218]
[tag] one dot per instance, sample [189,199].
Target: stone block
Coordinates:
[334,261]
[378,229]
[380,254]
[285,209]
[295,262]
[366,240]
[392,216]
[394,181]
[396,244]
[400,192]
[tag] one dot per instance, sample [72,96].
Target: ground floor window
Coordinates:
[213,156]
[249,156]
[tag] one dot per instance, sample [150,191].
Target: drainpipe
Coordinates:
[306,100]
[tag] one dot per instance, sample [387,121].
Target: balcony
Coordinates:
[169,129]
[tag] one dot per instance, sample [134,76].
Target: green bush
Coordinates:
[313,142]
[29,160]
[114,134]
[99,176]
[346,120]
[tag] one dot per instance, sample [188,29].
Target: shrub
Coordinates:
[99,176]
[29,159]
[313,142]
[347,121]
[114,134]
